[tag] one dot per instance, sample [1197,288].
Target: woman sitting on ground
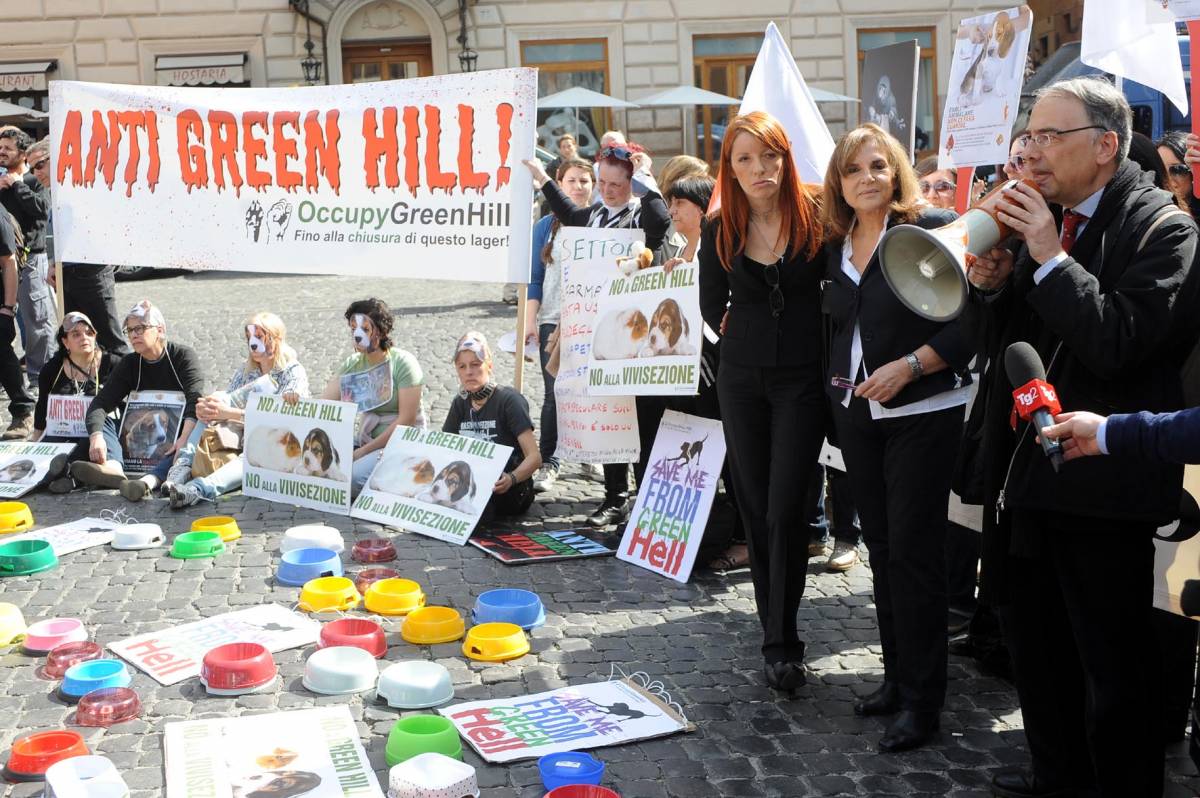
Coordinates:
[498,414]
[272,368]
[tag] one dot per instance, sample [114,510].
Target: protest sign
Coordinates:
[667,522]
[66,415]
[889,90]
[175,653]
[646,340]
[432,482]
[590,429]
[72,536]
[368,389]
[567,719]
[402,178]
[24,465]
[149,427]
[312,752]
[984,92]
[300,453]
[520,547]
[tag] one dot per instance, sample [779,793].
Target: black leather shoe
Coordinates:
[909,730]
[884,701]
[609,514]
[785,676]
[1023,784]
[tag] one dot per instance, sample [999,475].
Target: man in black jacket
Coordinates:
[1068,557]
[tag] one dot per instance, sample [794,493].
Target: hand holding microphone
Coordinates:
[1076,432]
[1035,400]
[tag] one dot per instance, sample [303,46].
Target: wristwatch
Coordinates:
[512,478]
[914,364]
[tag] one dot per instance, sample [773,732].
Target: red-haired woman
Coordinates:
[760,258]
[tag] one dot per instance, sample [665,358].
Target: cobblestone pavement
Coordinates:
[700,639]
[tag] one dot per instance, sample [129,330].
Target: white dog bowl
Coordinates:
[340,670]
[312,536]
[132,537]
[432,776]
[85,777]
[415,684]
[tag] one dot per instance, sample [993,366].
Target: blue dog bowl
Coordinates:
[570,767]
[302,565]
[96,674]
[520,607]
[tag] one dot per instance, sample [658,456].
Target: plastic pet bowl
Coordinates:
[61,658]
[356,632]
[432,776]
[570,767]
[428,626]
[224,525]
[237,668]
[422,734]
[329,594]
[23,557]
[47,635]
[303,565]
[12,624]
[520,607]
[15,517]
[495,642]
[312,536]
[133,537]
[85,777]
[374,550]
[32,755]
[108,707]
[581,791]
[340,670]
[197,545]
[415,684]
[95,674]
[394,597]
[369,576]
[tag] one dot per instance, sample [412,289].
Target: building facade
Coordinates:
[624,48]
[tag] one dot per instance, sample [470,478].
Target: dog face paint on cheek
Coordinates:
[363,340]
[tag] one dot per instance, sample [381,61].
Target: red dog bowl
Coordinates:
[62,657]
[373,550]
[236,668]
[364,579]
[107,707]
[33,754]
[581,791]
[357,632]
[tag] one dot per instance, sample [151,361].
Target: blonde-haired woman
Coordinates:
[271,367]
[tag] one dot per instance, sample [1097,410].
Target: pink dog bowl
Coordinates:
[61,658]
[44,636]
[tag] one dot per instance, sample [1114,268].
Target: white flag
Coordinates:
[1135,39]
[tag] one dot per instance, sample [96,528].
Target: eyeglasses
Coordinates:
[617,152]
[1048,137]
[1016,162]
[139,330]
[771,274]
[41,163]
[1180,170]
[941,186]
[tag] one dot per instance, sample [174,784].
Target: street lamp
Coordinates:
[310,64]
[466,56]
[467,59]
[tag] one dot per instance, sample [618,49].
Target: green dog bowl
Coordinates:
[197,545]
[21,557]
[422,734]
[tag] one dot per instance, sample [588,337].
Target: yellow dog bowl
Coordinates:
[394,597]
[429,626]
[328,594]
[15,517]
[12,624]
[495,642]
[224,525]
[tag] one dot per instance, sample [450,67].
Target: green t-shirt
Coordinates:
[406,373]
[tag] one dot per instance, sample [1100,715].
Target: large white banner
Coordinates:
[405,178]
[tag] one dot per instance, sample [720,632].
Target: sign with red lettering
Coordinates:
[411,178]
[66,415]
[668,520]
[521,546]
[175,654]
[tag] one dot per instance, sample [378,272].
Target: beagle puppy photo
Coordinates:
[318,458]
[274,449]
[402,476]
[148,433]
[669,332]
[454,487]
[620,335]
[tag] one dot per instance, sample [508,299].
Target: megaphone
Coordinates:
[927,269]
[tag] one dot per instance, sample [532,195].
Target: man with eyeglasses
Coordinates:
[1108,297]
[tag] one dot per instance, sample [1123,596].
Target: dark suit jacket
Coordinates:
[1167,437]
[889,329]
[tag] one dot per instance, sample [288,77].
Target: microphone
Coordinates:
[1035,400]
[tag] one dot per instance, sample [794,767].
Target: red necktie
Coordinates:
[1070,228]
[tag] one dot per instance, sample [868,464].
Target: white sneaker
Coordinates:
[843,557]
[817,548]
[177,474]
[545,478]
[592,471]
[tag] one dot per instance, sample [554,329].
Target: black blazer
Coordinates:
[753,336]
[889,329]
[655,217]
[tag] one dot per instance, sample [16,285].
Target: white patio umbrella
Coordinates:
[822,96]
[19,113]
[578,97]
[687,95]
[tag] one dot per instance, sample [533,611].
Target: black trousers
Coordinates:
[91,289]
[650,411]
[12,377]
[774,425]
[1079,627]
[900,473]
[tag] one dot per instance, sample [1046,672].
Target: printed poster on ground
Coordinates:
[667,523]
[316,753]
[889,90]
[646,340]
[432,482]
[591,429]
[66,415]
[984,93]
[299,454]
[175,653]
[149,428]
[397,178]
[521,547]
[567,719]
[72,536]
[24,465]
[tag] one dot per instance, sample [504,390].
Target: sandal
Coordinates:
[730,561]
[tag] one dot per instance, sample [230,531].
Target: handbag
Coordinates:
[219,444]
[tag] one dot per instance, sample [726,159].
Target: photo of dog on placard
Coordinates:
[279,449]
[659,329]
[149,428]
[452,486]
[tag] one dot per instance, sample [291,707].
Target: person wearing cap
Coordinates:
[156,364]
[78,368]
[498,414]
